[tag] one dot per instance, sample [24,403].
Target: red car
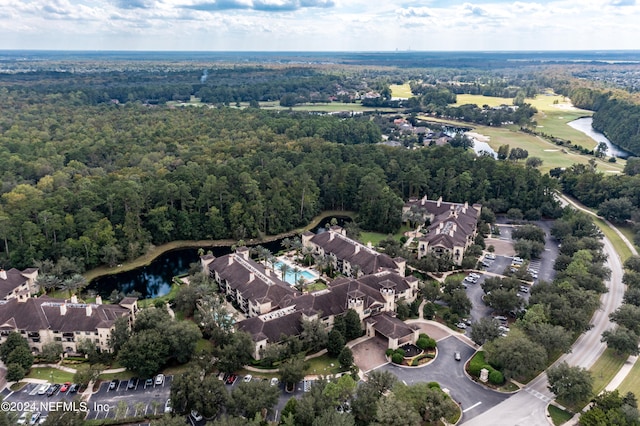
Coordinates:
[231,379]
[65,387]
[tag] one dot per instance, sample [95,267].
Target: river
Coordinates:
[585,126]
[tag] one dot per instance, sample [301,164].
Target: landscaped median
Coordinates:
[495,377]
[420,354]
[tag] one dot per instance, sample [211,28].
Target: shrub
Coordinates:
[423,336]
[400,351]
[422,343]
[495,377]
[396,358]
[433,385]
[389,352]
[431,344]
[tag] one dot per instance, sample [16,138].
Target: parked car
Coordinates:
[456,356]
[167,406]
[517,260]
[53,389]
[43,388]
[231,379]
[274,381]
[461,325]
[148,383]
[524,289]
[490,256]
[34,418]
[73,388]
[247,378]
[22,420]
[114,384]
[65,387]
[196,416]
[159,379]
[132,383]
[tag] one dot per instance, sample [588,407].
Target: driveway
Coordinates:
[369,354]
[473,398]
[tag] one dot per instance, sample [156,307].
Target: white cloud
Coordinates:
[319,24]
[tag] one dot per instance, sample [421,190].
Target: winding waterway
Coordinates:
[585,126]
[154,279]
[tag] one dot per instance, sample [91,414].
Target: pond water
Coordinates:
[154,280]
[585,126]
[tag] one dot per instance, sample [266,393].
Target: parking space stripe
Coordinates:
[472,407]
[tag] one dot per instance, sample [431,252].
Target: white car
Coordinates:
[461,325]
[274,381]
[159,379]
[167,406]
[490,256]
[196,416]
[247,378]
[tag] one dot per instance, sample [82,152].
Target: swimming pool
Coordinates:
[290,276]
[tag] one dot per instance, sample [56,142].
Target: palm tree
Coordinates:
[284,269]
[74,283]
[296,271]
[48,282]
[286,243]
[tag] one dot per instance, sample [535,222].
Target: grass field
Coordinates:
[375,237]
[558,416]
[323,366]
[328,107]
[52,375]
[400,90]
[551,155]
[554,112]
[604,369]
[631,382]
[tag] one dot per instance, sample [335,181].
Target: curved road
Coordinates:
[528,407]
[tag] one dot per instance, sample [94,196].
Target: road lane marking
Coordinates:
[472,407]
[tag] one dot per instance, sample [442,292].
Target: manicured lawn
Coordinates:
[604,369]
[621,248]
[375,237]
[326,107]
[52,375]
[124,375]
[323,365]
[552,155]
[559,416]
[631,383]
[400,90]
[318,285]
[480,100]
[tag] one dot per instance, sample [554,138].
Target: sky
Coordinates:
[320,25]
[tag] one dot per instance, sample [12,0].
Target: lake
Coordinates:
[155,279]
[585,126]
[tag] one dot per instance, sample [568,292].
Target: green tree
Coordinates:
[193,390]
[292,371]
[353,325]
[51,352]
[14,340]
[235,354]
[67,418]
[627,316]
[182,337]
[249,399]
[21,356]
[145,352]
[314,335]
[335,343]
[622,340]
[485,330]
[15,372]
[169,420]
[515,355]
[393,411]
[345,358]
[570,384]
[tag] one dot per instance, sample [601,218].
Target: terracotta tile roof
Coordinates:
[389,326]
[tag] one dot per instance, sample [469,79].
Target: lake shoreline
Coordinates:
[156,251]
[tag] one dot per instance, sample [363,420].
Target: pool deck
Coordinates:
[288,259]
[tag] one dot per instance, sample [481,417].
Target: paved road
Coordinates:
[528,407]
[444,369]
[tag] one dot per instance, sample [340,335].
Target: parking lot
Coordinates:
[104,403]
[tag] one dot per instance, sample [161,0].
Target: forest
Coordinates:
[98,184]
